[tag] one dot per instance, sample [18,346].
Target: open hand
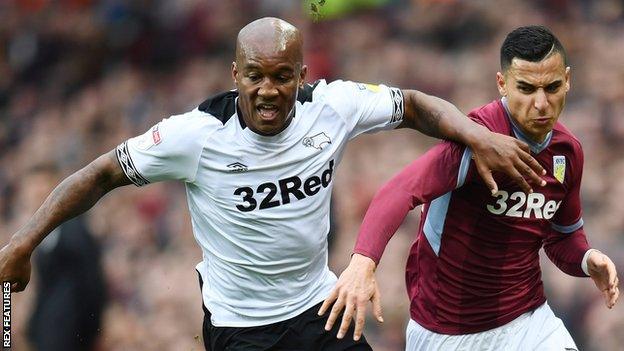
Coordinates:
[15,267]
[355,287]
[603,273]
[498,152]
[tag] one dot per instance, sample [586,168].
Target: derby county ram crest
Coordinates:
[316,141]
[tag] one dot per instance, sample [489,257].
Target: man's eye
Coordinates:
[253,77]
[552,88]
[284,79]
[525,89]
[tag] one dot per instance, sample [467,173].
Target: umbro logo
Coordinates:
[237,167]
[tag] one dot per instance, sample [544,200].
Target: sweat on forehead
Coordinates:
[269,33]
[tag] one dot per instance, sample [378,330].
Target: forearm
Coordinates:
[383,217]
[567,251]
[431,175]
[75,195]
[440,119]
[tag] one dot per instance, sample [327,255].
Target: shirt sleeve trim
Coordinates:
[566,229]
[128,167]
[584,261]
[463,167]
[367,254]
[398,107]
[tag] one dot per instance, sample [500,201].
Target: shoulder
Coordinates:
[568,143]
[344,87]
[310,91]
[221,106]
[565,135]
[190,122]
[178,132]
[346,95]
[332,93]
[492,116]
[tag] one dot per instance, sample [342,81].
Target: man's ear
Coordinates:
[234,73]
[500,84]
[302,75]
[567,79]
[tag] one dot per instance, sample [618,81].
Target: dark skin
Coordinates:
[73,196]
[267,72]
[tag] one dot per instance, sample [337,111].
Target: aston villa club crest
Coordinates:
[559,167]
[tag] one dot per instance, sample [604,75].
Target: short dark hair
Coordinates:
[530,43]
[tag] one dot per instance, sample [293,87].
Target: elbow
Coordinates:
[423,113]
[393,195]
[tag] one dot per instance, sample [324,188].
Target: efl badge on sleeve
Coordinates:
[149,139]
[371,87]
[559,166]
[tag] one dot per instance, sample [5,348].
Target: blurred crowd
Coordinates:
[78,77]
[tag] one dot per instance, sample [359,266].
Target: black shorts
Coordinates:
[305,332]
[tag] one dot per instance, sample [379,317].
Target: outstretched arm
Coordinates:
[566,244]
[73,196]
[572,254]
[492,151]
[433,174]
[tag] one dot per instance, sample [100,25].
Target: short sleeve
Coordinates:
[170,150]
[366,108]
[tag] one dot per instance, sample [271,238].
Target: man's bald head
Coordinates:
[268,74]
[269,35]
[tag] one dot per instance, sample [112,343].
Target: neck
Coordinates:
[534,138]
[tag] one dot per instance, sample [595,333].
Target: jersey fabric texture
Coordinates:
[260,204]
[475,263]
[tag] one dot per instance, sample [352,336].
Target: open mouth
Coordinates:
[267,111]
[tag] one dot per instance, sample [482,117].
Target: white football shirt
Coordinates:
[260,204]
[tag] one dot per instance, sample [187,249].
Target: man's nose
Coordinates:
[541,100]
[267,88]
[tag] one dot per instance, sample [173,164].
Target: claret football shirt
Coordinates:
[474,264]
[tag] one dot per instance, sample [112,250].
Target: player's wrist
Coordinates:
[21,245]
[588,263]
[476,137]
[363,261]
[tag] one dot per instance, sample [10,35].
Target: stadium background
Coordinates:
[77,77]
